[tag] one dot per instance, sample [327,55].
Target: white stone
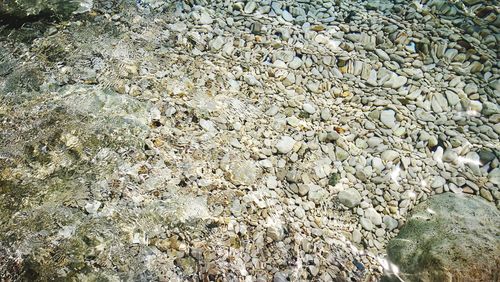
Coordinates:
[389,155]
[285,145]
[388,118]
[295,63]
[287,16]
[217,43]
[205,18]
[308,108]
[373,216]
[377,164]
[250,7]
[208,125]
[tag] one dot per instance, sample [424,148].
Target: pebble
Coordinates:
[285,144]
[205,18]
[287,16]
[373,216]
[438,182]
[389,155]
[388,118]
[366,223]
[390,222]
[377,164]
[356,236]
[308,108]
[470,88]
[295,64]
[450,156]
[349,197]
[316,193]
[250,7]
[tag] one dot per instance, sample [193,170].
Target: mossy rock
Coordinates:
[450,237]
[30,8]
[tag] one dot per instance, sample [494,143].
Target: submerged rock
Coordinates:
[451,237]
[59,8]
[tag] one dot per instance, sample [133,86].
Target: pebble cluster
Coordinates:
[306,129]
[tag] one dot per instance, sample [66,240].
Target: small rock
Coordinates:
[296,63]
[326,114]
[287,16]
[205,18]
[92,207]
[390,223]
[356,236]
[494,176]
[438,182]
[316,193]
[366,224]
[308,108]
[388,118]
[285,145]
[250,7]
[349,197]
[470,88]
[389,155]
[450,156]
[373,216]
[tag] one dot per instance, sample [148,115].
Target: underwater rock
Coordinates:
[450,237]
[58,8]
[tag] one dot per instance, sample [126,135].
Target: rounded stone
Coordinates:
[349,197]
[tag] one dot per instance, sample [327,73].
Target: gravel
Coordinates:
[275,140]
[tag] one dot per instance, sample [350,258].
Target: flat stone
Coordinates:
[453,98]
[389,155]
[250,7]
[494,176]
[450,156]
[341,154]
[470,88]
[388,118]
[382,55]
[377,164]
[396,81]
[287,16]
[356,236]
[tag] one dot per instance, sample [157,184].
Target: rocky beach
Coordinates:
[196,140]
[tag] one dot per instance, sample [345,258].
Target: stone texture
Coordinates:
[449,237]
[349,197]
[60,8]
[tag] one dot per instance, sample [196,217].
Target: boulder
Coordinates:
[450,237]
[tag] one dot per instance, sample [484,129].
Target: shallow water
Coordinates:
[211,140]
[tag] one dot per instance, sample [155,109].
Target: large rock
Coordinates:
[450,237]
[27,8]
